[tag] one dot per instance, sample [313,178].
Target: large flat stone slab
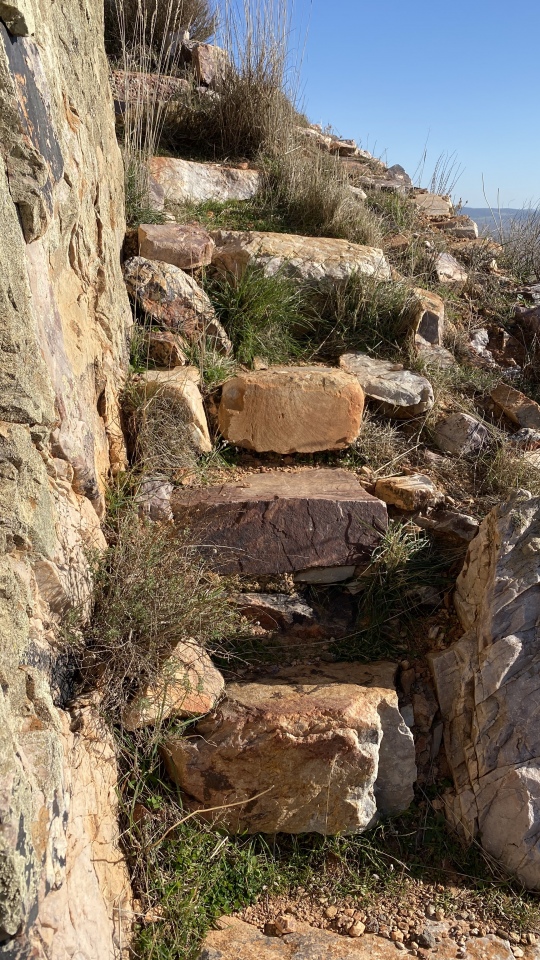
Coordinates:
[278,522]
[398,392]
[305,258]
[291,409]
[314,749]
[184,180]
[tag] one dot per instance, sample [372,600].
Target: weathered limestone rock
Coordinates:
[306,258]
[449,270]
[460,435]
[278,522]
[209,62]
[433,205]
[516,406]
[325,748]
[398,392]
[236,940]
[174,299]
[432,354]
[18,17]
[487,686]
[163,348]
[187,246]
[154,498]
[179,387]
[184,180]
[463,228]
[408,493]
[189,685]
[64,319]
[429,316]
[280,611]
[291,409]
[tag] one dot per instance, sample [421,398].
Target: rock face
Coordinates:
[460,435]
[487,686]
[65,320]
[291,409]
[18,17]
[278,522]
[398,392]
[306,258]
[186,246]
[185,181]
[325,748]
[173,299]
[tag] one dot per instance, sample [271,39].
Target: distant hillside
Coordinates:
[490,221]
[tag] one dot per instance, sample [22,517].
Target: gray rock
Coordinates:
[463,228]
[488,684]
[399,393]
[279,611]
[460,435]
[154,499]
[449,270]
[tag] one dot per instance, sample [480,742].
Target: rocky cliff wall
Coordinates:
[64,319]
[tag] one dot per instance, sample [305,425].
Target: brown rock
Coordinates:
[291,409]
[278,522]
[516,406]
[312,749]
[210,63]
[163,348]
[429,316]
[408,493]
[186,246]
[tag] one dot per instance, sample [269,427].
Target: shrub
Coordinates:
[262,315]
[520,239]
[160,431]
[158,18]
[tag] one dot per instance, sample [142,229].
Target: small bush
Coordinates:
[160,431]
[398,214]
[161,17]
[214,367]
[362,313]
[520,239]
[262,315]
[151,590]
[381,446]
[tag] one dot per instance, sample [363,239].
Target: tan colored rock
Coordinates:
[278,522]
[163,348]
[408,493]
[433,205]
[172,298]
[291,409]
[305,258]
[187,181]
[449,270]
[189,685]
[516,406]
[179,387]
[186,246]
[463,228]
[487,687]
[429,316]
[398,392]
[325,748]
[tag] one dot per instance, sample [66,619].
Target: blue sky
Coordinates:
[462,77]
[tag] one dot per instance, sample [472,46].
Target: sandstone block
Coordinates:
[325,748]
[516,406]
[408,493]
[186,246]
[487,687]
[291,409]
[460,435]
[278,522]
[429,316]
[179,387]
[174,299]
[189,684]
[306,258]
[398,392]
[184,180]
[433,205]
[449,270]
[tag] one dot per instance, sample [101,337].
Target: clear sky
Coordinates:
[462,76]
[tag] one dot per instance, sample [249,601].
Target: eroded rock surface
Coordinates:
[487,685]
[398,392]
[321,749]
[278,522]
[184,180]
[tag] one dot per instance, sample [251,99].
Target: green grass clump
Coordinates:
[397,213]
[262,314]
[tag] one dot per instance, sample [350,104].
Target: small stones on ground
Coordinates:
[357,930]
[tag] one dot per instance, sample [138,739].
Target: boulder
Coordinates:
[163,348]
[305,258]
[449,270]
[236,940]
[399,393]
[408,493]
[433,205]
[487,687]
[291,409]
[187,182]
[278,522]
[313,749]
[172,298]
[187,246]
[516,406]
[428,316]
[460,435]
[188,685]
[280,611]
[179,388]
[343,148]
